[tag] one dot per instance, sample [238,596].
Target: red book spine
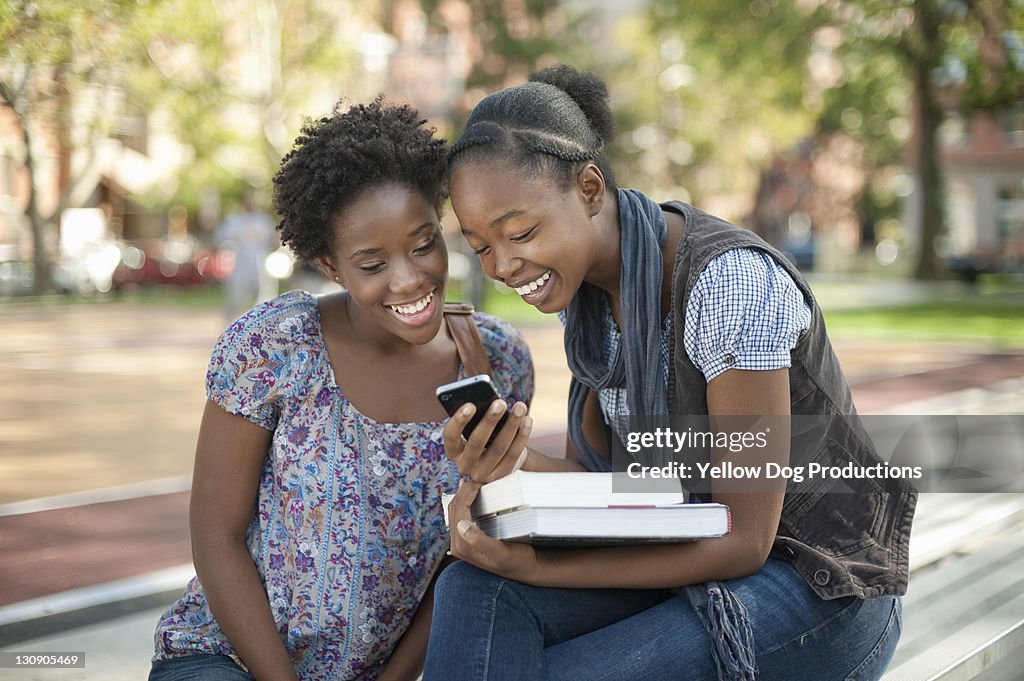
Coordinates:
[631,506]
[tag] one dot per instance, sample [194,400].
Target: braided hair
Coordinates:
[551,126]
[337,158]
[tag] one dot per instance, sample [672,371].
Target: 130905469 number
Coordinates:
[11,660]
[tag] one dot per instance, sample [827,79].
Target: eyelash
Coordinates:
[427,247]
[520,238]
[422,250]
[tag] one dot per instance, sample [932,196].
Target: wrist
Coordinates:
[530,570]
[530,463]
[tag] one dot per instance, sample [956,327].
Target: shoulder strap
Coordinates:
[459,317]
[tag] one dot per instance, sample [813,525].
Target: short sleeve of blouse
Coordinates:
[745,312]
[510,358]
[247,374]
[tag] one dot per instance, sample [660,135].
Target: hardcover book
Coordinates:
[575,490]
[608,526]
[591,509]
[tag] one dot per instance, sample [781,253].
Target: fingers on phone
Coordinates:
[503,452]
[464,413]
[457,422]
[514,453]
[482,432]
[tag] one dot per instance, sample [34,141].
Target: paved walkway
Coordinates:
[103,395]
[98,413]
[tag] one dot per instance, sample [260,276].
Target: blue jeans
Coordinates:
[489,628]
[198,667]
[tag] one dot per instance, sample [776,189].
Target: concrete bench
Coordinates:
[963,615]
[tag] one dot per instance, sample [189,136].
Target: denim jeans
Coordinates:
[489,628]
[198,667]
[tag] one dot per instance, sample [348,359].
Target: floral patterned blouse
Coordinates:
[347,530]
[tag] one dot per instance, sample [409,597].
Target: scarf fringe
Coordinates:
[727,623]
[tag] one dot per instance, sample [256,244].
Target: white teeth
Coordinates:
[533,285]
[418,306]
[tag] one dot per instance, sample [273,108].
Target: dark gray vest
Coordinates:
[844,542]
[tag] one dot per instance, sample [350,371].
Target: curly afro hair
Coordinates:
[337,158]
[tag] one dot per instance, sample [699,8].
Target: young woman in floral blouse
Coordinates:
[316,520]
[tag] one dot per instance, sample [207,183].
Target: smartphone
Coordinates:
[477,390]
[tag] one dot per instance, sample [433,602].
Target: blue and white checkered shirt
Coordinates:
[745,312]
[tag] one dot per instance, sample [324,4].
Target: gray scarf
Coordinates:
[637,367]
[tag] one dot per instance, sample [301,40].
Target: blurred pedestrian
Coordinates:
[248,234]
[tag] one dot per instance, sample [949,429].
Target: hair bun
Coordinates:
[587,90]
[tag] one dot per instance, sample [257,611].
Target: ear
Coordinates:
[590,183]
[328,269]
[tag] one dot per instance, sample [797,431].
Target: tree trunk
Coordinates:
[929,192]
[42,262]
[930,185]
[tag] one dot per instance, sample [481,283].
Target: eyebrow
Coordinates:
[371,251]
[514,213]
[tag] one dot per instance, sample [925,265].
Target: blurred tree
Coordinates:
[184,78]
[710,90]
[69,71]
[508,39]
[951,55]
[850,64]
[60,65]
[250,72]
[226,75]
[286,51]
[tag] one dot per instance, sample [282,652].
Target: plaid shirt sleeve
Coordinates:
[745,312]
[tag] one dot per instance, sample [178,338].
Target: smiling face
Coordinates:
[536,238]
[390,255]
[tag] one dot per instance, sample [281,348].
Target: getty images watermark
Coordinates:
[823,454]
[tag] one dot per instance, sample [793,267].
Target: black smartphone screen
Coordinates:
[477,390]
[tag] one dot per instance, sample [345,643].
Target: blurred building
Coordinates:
[104,172]
[14,229]
[983,160]
[806,203]
[425,68]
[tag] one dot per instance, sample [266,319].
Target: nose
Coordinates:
[406,276]
[506,264]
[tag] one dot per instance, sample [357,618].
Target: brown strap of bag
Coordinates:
[459,317]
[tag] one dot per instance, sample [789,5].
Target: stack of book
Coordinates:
[566,509]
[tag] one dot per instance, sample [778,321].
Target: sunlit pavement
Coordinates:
[108,397]
[103,395]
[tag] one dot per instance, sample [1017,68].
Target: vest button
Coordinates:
[821,577]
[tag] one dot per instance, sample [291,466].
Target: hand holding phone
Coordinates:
[507,433]
[476,390]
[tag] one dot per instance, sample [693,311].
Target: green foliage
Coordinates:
[129,55]
[74,42]
[765,73]
[870,103]
[992,66]
[515,38]
[707,91]
[179,58]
